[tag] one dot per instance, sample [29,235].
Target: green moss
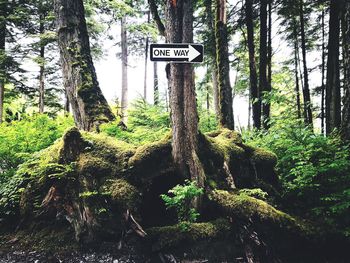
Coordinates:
[150,160]
[123,194]
[94,166]
[227,142]
[244,206]
[112,152]
[170,236]
[263,157]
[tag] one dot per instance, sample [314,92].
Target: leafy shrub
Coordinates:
[314,170]
[19,140]
[181,198]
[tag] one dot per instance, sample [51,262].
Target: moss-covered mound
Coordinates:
[104,189]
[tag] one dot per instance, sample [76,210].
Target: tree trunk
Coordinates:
[296,59]
[323,86]
[212,52]
[124,45]
[155,83]
[333,99]
[42,66]
[184,116]
[215,89]
[269,67]
[66,103]
[306,89]
[345,131]
[253,77]
[89,106]
[263,84]
[223,66]
[2,56]
[146,60]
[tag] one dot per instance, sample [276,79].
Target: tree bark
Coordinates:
[267,112]
[253,76]
[66,103]
[306,88]
[223,66]
[2,55]
[333,98]
[42,66]
[124,46]
[263,83]
[146,60]
[215,89]
[345,127]
[89,106]
[155,84]
[212,51]
[296,72]
[323,86]
[184,116]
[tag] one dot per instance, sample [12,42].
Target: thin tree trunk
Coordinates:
[89,106]
[212,51]
[323,75]
[253,77]
[333,98]
[296,59]
[42,67]
[269,67]
[124,47]
[345,131]
[184,116]
[223,65]
[306,88]
[155,83]
[263,83]
[2,55]
[146,60]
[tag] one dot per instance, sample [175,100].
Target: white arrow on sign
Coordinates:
[177,52]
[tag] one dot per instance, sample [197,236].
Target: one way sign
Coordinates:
[183,53]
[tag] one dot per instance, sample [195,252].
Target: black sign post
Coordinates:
[180,53]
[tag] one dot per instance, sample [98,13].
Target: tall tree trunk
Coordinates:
[212,51]
[263,84]
[333,97]
[155,84]
[267,112]
[297,87]
[345,131]
[323,86]
[3,5]
[89,106]
[42,66]
[184,116]
[223,65]
[124,46]
[146,60]
[253,77]
[306,88]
